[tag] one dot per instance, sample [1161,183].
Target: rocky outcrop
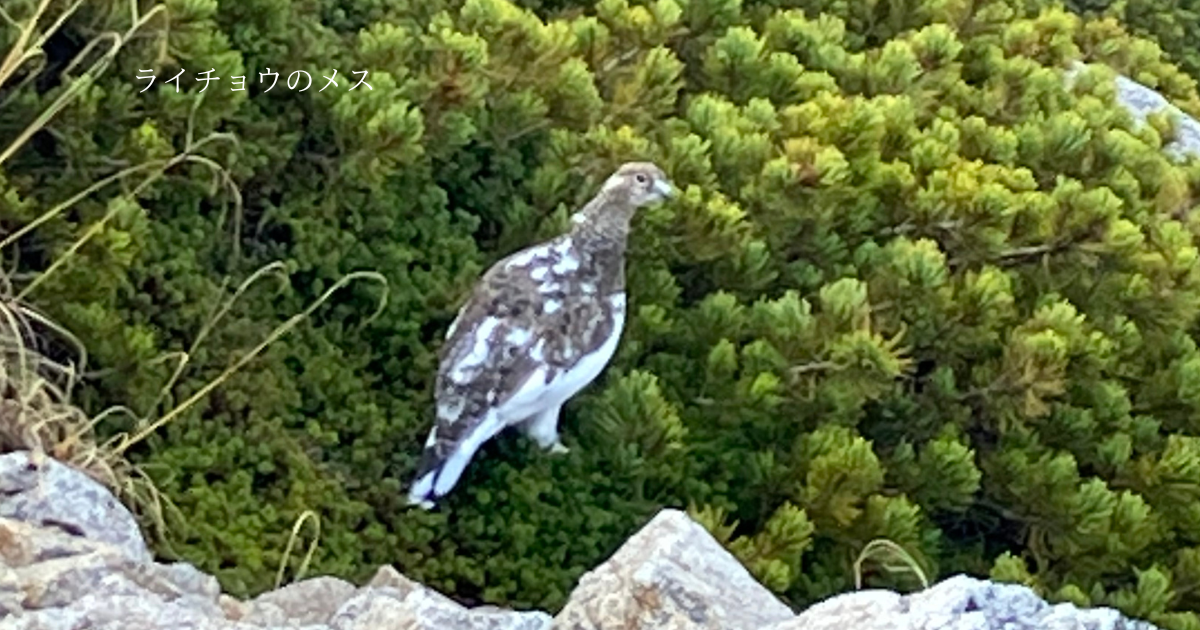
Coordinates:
[39,490]
[958,603]
[71,559]
[671,574]
[63,566]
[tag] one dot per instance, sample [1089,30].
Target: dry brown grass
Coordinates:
[36,408]
[892,558]
[37,413]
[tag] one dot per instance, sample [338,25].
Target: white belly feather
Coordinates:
[536,394]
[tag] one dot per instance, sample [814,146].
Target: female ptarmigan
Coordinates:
[540,325]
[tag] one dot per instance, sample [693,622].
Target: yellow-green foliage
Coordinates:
[1173,24]
[916,288]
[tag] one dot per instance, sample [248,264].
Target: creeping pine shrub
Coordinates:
[1175,26]
[923,306]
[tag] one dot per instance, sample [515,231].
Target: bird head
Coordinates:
[639,183]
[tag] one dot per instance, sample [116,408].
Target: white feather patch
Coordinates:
[439,481]
[450,411]
[566,264]
[564,247]
[538,393]
[452,469]
[466,367]
[525,257]
[517,336]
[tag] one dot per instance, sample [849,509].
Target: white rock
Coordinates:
[671,574]
[958,603]
[43,491]
[311,601]
[416,607]
[1142,101]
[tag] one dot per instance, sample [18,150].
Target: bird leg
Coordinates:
[543,429]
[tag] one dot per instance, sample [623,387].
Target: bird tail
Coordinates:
[436,474]
[421,493]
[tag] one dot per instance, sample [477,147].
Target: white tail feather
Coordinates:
[452,469]
[421,492]
[440,480]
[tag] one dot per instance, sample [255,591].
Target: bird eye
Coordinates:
[641,179]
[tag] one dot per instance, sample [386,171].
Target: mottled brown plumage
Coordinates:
[538,327]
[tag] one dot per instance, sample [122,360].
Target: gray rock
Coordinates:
[1142,101]
[51,579]
[57,583]
[388,576]
[310,601]
[129,612]
[45,567]
[862,610]
[136,611]
[23,544]
[671,574]
[12,596]
[178,579]
[433,611]
[42,491]
[425,609]
[232,607]
[372,609]
[958,603]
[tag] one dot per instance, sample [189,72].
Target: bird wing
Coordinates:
[500,351]
[484,353]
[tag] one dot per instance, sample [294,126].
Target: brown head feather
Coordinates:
[634,184]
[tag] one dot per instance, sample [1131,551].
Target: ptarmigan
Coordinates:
[540,325]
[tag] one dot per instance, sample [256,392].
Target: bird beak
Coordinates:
[664,188]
